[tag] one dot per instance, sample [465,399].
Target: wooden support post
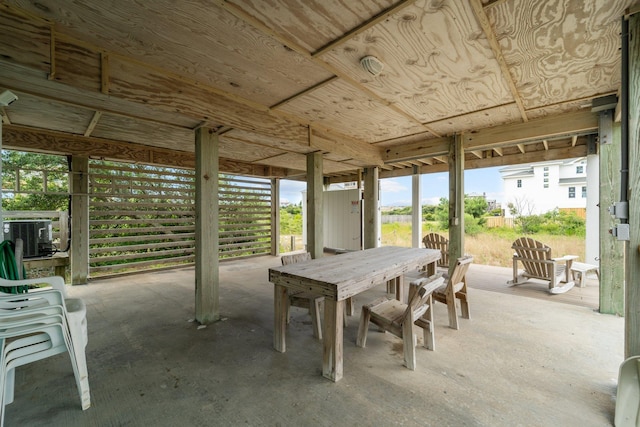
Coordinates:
[207,280]
[371,208]
[79,220]
[275,217]
[416,209]
[632,277]
[315,189]
[456,201]
[611,249]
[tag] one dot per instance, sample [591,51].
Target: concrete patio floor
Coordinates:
[519,361]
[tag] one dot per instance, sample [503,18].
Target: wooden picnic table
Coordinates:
[338,278]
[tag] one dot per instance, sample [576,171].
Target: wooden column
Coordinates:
[315,189]
[416,209]
[371,208]
[79,254]
[207,280]
[275,217]
[456,201]
[611,249]
[632,277]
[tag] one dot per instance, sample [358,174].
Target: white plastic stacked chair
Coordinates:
[40,324]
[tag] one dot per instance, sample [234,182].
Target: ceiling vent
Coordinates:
[372,65]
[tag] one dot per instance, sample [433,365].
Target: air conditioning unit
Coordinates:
[36,236]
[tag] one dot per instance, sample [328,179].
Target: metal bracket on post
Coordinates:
[605,106]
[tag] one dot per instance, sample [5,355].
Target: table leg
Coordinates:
[333,340]
[279,318]
[431,269]
[399,281]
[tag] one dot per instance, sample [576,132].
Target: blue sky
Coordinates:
[397,191]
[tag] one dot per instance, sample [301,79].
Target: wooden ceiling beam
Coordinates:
[5,116]
[416,150]
[79,66]
[554,153]
[483,20]
[577,123]
[93,123]
[41,141]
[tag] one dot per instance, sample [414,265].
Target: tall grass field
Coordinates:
[492,246]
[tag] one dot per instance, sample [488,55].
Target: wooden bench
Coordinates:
[583,269]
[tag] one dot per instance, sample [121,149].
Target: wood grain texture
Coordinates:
[559,50]
[127,129]
[313,24]
[21,79]
[36,140]
[437,63]
[24,39]
[340,106]
[47,114]
[490,117]
[190,37]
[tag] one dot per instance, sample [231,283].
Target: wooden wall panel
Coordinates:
[560,50]
[437,63]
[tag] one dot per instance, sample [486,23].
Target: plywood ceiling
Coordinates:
[282,78]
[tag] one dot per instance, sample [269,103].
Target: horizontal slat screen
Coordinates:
[143,217]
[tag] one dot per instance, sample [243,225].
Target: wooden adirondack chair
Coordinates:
[436,241]
[538,263]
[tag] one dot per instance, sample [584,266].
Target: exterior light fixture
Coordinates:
[371,65]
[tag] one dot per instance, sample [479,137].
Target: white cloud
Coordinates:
[392,186]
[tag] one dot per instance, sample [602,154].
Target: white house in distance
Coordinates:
[541,187]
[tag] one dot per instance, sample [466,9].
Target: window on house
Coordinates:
[579,169]
[546,180]
[572,192]
[546,168]
[519,183]
[546,186]
[584,192]
[546,174]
